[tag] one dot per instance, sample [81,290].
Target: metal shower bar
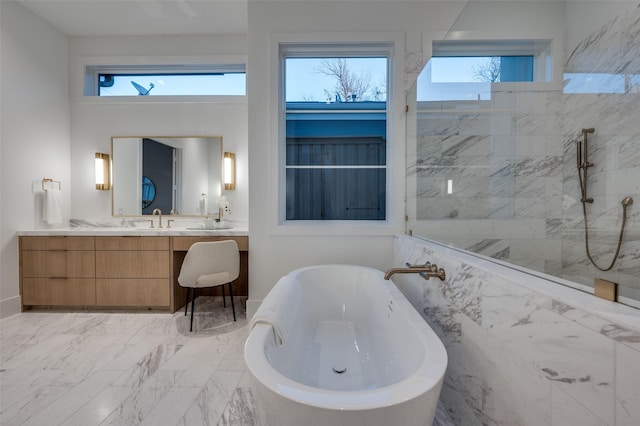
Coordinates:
[583,164]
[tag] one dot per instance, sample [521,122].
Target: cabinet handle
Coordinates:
[58,278]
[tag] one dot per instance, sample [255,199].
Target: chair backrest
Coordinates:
[209,258]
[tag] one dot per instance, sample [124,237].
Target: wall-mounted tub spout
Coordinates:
[583,165]
[426,271]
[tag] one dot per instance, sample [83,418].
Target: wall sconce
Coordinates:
[229,169]
[103,175]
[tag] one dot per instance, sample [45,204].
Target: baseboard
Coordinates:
[10,306]
[252,307]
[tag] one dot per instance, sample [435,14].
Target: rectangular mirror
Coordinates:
[179,174]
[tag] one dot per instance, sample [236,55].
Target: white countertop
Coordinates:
[124,231]
[140,227]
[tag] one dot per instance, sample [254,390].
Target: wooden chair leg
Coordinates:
[233,306]
[193,308]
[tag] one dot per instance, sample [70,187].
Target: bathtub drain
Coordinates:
[339,370]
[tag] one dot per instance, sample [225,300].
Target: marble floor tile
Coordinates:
[99,408]
[115,368]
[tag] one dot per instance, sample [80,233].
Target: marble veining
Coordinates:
[521,350]
[139,227]
[81,369]
[511,161]
[78,368]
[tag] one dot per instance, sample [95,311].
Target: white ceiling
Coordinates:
[150,17]
[142,17]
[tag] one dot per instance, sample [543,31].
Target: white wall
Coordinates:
[30,46]
[35,132]
[44,134]
[276,250]
[94,124]
[95,120]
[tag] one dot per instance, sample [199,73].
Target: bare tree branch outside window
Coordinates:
[350,85]
[489,71]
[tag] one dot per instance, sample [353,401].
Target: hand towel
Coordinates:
[278,307]
[52,206]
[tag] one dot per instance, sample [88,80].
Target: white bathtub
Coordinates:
[354,352]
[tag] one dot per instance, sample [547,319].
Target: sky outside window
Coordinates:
[305,80]
[469,78]
[176,84]
[455,69]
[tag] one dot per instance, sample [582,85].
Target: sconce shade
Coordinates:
[103,175]
[229,168]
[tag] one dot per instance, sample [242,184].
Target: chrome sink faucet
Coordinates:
[159,212]
[426,271]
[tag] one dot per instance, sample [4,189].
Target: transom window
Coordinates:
[188,80]
[335,121]
[466,69]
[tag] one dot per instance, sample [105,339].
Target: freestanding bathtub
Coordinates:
[339,345]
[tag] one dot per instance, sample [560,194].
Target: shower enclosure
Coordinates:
[491,166]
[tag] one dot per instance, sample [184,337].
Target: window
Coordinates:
[489,69]
[465,70]
[601,83]
[157,80]
[335,121]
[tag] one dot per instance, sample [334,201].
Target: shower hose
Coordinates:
[625,203]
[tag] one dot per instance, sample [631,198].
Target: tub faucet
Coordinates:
[159,212]
[426,271]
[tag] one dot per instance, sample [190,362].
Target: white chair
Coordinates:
[210,264]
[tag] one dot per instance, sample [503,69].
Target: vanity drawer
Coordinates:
[57,243]
[59,291]
[58,264]
[132,264]
[132,243]
[133,292]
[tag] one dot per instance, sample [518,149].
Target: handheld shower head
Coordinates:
[589,130]
[627,201]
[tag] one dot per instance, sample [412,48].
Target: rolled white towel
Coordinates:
[52,206]
[277,331]
[276,309]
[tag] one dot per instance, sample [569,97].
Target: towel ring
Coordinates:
[45,180]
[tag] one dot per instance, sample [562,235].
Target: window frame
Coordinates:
[362,49]
[539,49]
[93,72]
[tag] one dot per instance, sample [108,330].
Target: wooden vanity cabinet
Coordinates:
[133,271]
[57,271]
[113,271]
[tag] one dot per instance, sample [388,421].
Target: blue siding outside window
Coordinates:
[336,161]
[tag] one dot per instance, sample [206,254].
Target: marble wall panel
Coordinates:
[521,356]
[512,159]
